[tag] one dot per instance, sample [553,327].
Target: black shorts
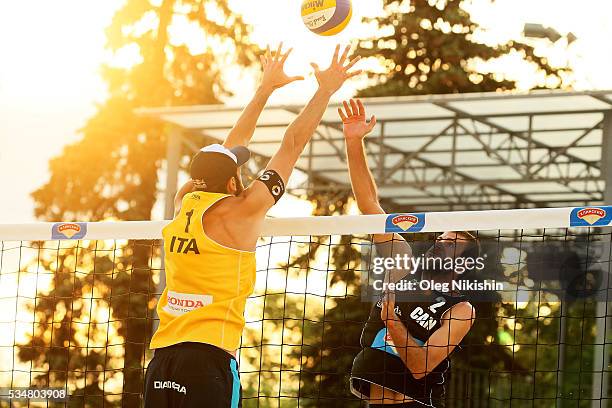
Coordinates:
[375,366]
[192,375]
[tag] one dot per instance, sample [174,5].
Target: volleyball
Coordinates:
[326,17]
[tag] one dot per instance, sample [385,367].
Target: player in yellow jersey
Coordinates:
[209,249]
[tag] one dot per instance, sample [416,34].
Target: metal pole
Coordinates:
[174,144]
[453,166]
[529,145]
[381,154]
[562,340]
[606,156]
[601,357]
[310,158]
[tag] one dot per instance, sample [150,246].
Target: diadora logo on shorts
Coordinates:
[181,303]
[591,216]
[170,385]
[405,223]
[68,230]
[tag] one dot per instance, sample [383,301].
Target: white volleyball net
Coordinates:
[77,309]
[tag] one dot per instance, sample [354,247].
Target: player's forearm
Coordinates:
[243,130]
[362,180]
[303,127]
[412,354]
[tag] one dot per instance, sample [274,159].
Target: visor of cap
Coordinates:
[242,154]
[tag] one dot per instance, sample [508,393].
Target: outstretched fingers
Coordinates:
[279,50]
[342,115]
[286,56]
[347,108]
[350,65]
[372,123]
[336,52]
[361,109]
[354,108]
[344,55]
[353,62]
[353,74]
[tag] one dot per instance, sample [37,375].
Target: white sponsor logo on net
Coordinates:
[171,385]
[181,303]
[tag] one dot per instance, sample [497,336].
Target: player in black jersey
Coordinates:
[406,346]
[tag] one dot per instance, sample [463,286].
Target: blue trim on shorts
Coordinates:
[235,384]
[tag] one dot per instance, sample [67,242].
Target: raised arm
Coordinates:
[274,77]
[300,132]
[356,127]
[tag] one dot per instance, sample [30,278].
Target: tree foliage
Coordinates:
[428,47]
[112,173]
[424,47]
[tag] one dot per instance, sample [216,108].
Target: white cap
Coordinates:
[238,154]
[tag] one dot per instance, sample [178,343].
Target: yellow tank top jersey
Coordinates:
[207,284]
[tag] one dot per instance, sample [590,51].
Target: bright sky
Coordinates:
[51,53]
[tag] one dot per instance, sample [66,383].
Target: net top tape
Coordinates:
[335,225]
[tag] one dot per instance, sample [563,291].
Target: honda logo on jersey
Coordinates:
[181,303]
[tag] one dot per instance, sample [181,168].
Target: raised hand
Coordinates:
[354,120]
[274,75]
[333,77]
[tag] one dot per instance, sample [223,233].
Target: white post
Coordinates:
[174,145]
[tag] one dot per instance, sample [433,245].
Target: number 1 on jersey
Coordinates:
[189,214]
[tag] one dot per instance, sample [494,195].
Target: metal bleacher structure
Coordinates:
[442,152]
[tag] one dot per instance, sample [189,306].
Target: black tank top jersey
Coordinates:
[422,319]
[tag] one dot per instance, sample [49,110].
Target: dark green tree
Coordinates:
[112,172]
[428,47]
[424,47]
